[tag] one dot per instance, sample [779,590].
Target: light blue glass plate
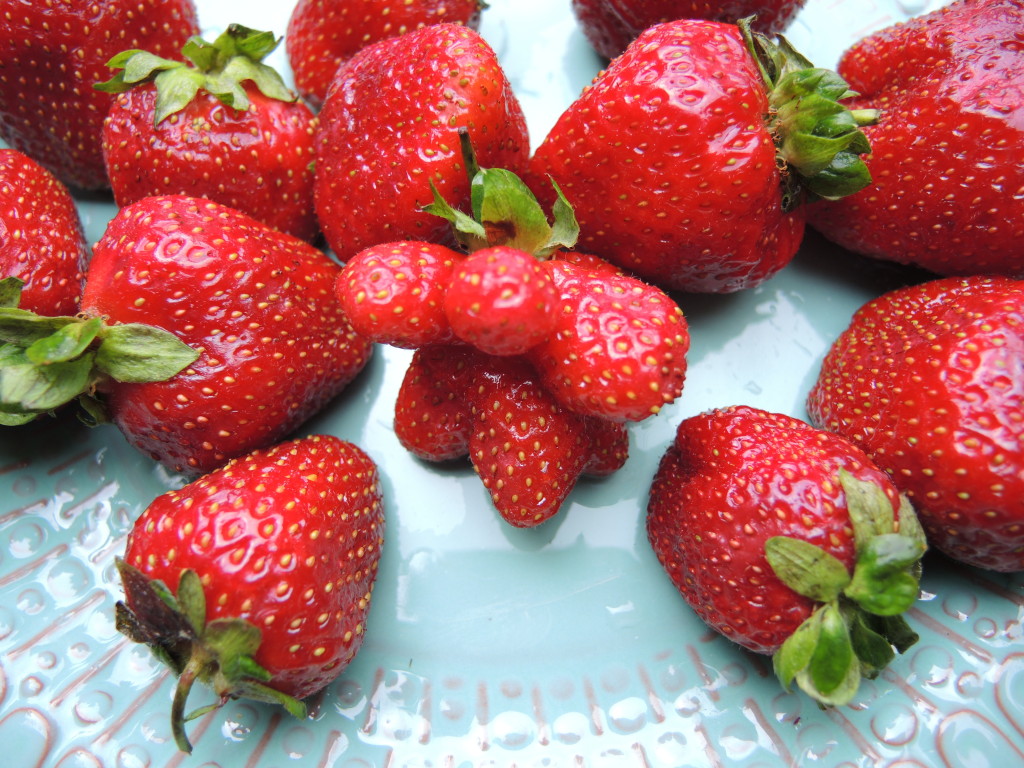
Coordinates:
[489,646]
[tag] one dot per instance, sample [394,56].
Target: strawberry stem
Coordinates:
[182,689]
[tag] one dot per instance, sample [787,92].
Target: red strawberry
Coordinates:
[611,25]
[225,128]
[929,381]
[687,159]
[527,449]
[41,239]
[502,301]
[270,345]
[390,127]
[256,579]
[323,34]
[788,541]
[50,56]
[948,192]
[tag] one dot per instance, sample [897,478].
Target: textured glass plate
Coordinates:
[489,646]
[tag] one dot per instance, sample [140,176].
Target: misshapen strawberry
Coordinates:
[789,541]
[528,450]
[323,34]
[256,579]
[611,25]
[205,334]
[929,381]
[222,126]
[50,56]
[687,160]
[41,238]
[948,190]
[390,127]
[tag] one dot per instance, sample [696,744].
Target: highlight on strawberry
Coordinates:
[790,542]
[221,124]
[929,381]
[531,358]
[689,158]
[256,579]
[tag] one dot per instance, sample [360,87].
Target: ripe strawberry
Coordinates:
[611,25]
[788,541]
[269,343]
[389,128]
[527,449]
[256,579]
[947,192]
[323,34]
[225,128]
[929,381]
[687,159]
[50,56]
[41,239]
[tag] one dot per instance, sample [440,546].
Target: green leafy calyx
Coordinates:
[47,362]
[505,212]
[819,141]
[220,68]
[858,627]
[219,653]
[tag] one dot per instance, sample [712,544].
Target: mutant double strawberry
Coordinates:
[688,159]
[947,192]
[256,579]
[41,240]
[51,54]
[222,125]
[611,25]
[203,335]
[929,381]
[324,34]
[788,540]
[530,350]
[389,128]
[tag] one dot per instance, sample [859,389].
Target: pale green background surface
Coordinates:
[490,646]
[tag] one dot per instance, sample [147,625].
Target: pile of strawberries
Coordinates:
[263,245]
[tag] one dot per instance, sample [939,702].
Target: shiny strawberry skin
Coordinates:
[692,201]
[390,126]
[527,449]
[288,539]
[259,304]
[258,161]
[611,25]
[323,34]
[41,238]
[618,350]
[50,56]
[732,479]
[946,160]
[929,381]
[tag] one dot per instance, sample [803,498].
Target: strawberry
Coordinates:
[256,579]
[389,128]
[225,128]
[605,344]
[929,381]
[688,158]
[611,25]
[51,54]
[527,449]
[790,542]
[947,192]
[323,34]
[248,317]
[41,238]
